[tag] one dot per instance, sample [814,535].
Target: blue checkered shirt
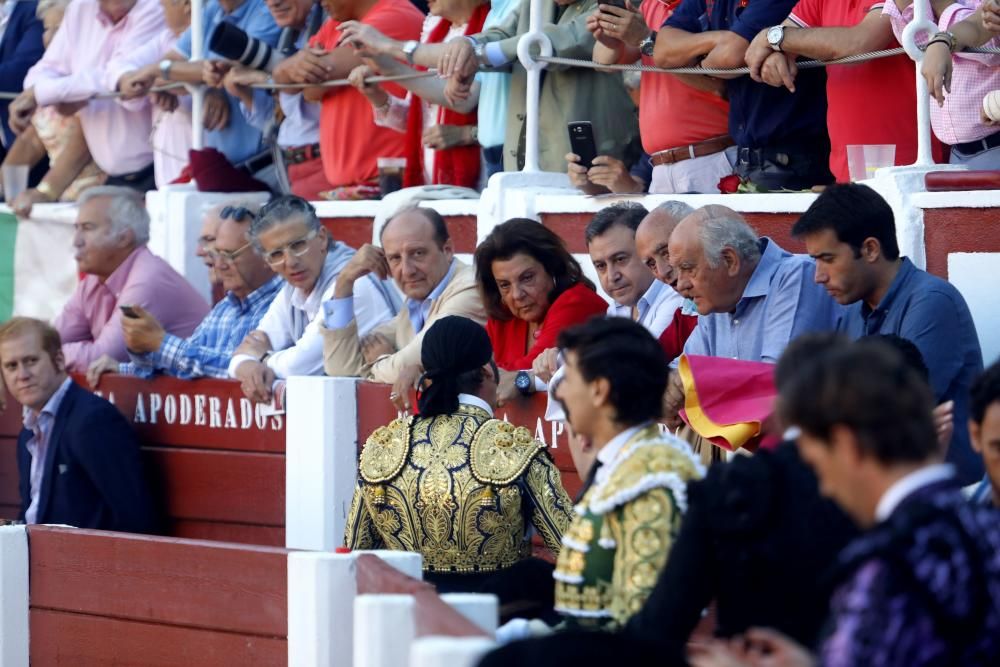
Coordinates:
[208,351]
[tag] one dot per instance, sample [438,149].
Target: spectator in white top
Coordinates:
[635,291]
[293,242]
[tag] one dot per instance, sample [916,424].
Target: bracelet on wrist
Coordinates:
[945,37]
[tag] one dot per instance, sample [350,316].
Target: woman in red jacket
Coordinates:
[532,289]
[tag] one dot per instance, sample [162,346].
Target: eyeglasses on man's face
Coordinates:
[222,257]
[296,248]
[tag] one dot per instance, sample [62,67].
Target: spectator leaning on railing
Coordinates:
[637,294]
[86,58]
[298,134]
[780,136]
[567,94]
[250,287]
[832,29]
[287,341]
[112,229]
[418,253]
[683,118]
[441,142]
[171,137]
[350,142]
[959,81]
[20,48]
[70,167]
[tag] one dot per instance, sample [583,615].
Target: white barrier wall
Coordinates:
[13,596]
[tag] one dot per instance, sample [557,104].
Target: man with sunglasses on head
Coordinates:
[289,236]
[250,287]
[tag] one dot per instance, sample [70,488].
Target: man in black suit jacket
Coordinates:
[20,48]
[77,458]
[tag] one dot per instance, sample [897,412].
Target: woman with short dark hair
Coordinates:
[532,289]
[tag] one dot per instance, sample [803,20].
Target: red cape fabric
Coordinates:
[452,166]
[213,172]
[676,334]
[732,399]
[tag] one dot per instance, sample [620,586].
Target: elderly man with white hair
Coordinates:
[112,229]
[753,296]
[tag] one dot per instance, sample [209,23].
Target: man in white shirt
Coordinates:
[636,292]
[289,236]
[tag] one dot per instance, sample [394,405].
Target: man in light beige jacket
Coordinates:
[417,252]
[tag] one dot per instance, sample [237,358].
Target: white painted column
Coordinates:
[449,651]
[175,215]
[384,628]
[481,609]
[534,37]
[321,435]
[13,596]
[921,22]
[197,92]
[322,588]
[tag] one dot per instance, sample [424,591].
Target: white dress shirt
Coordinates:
[908,484]
[656,308]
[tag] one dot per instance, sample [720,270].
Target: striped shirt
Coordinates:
[208,351]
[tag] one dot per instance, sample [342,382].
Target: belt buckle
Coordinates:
[691,151]
[744,155]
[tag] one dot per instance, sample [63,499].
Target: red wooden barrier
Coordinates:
[528,412]
[10,426]
[355,232]
[105,598]
[216,461]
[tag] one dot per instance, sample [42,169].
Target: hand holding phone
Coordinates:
[581,141]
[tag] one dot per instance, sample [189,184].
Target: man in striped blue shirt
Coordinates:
[250,287]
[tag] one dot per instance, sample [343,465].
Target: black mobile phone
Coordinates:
[581,141]
[129,311]
[620,4]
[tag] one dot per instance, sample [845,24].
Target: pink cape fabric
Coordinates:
[731,399]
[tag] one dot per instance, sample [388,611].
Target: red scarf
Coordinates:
[453,166]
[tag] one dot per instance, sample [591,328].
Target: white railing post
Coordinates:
[384,628]
[534,37]
[13,596]
[321,432]
[921,23]
[197,92]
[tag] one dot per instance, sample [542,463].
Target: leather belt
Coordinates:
[984,144]
[299,154]
[700,149]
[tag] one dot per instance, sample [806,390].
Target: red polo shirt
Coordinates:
[350,142]
[873,102]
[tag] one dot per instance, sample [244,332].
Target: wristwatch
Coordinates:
[523,383]
[409,48]
[945,37]
[775,36]
[646,45]
[165,68]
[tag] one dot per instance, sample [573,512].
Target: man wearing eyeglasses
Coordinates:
[288,235]
[250,287]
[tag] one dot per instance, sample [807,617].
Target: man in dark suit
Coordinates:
[77,458]
[20,48]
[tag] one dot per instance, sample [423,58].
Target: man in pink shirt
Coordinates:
[112,228]
[86,58]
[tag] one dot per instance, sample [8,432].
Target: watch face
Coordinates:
[775,34]
[522,381]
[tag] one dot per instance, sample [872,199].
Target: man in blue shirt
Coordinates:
[781,138]
[850,232]
[250,287]
[227,129]
[752,296]
[984,429]
[301,172]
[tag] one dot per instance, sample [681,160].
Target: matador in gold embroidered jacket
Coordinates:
[624,526]
[458,488]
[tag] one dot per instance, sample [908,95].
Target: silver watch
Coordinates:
[775,36]
[646,46]
[165,68]
[409,48]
